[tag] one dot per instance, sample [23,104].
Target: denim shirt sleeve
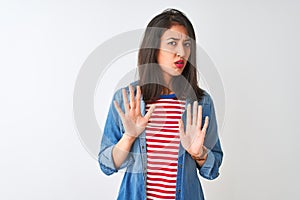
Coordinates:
[210,169]
[112,133]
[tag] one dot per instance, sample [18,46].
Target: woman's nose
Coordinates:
[180,51]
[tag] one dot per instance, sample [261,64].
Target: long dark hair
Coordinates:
[150,74]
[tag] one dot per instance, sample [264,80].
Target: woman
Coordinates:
[163,128]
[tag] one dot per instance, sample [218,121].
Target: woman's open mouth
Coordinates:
[179,63]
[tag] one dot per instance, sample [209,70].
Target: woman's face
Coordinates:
[175,49]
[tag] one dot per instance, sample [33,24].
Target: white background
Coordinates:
[255,48]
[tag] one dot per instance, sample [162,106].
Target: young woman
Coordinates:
[163,128]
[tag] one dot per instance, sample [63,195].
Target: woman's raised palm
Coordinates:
[192,139]
[133,121]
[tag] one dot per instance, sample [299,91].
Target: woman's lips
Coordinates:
[179,63]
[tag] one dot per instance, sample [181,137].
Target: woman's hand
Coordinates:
[133,121]
[193,138]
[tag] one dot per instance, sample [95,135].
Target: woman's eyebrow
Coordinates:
[172,38]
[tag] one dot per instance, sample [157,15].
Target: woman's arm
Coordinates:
[202,143]
[192,138]
[116,145]
[210,168]
[121,150]
[134,124]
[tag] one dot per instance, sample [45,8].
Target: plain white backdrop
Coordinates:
[43,44]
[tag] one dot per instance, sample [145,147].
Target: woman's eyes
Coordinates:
[187,44]
[173,43]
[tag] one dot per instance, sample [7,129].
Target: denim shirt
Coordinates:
[133,186]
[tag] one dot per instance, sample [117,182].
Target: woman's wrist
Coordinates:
[128,137]
[202,155]
[125,143]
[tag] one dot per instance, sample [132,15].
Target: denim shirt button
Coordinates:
[143,147]
[180,165]
[179,190]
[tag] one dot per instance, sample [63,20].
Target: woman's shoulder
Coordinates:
[126,87]
[118,92]
[206,98]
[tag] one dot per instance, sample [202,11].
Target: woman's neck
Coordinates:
[166,90]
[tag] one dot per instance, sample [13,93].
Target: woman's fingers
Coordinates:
[181,128]
[188,115]
[193,136]
[182,133]
[132,100]
[199,117]
[149,113]
[138,97]
[205,124]
[195,108]
[125,101]
[119,110]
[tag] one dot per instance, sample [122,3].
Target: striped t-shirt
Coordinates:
[162,139]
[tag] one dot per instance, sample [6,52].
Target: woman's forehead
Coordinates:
[176,31]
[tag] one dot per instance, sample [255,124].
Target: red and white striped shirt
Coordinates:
[162,139]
